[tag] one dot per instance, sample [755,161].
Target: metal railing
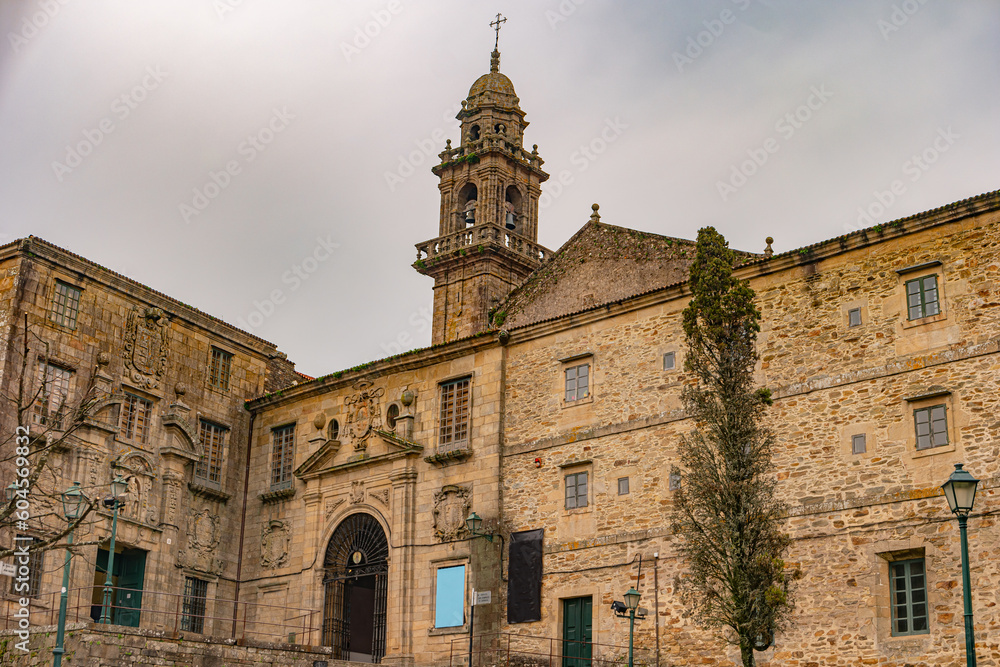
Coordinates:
[174,612]
[505,649]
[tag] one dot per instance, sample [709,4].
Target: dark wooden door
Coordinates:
[577,631]
[131,576]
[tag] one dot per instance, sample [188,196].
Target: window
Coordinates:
[449,600]
[675,481]
[218,370]
[932,426]
[333,429]
[577,382]
[213,438]
[31,588]
[922,297]
[909,597]
[622,486]
[454,429]
[135,419]
[576,490]
[859,444]
[669,360]
[65,304]
[283,445]
[854,317]
[391,415]
[50,404]
[195,592]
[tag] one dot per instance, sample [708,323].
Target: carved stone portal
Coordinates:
[274,541]
[451,506]
[363,414]
[147,345]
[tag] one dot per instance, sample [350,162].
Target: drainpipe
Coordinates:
[243,522]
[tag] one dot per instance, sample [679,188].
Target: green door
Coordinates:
[130,580]
[577,632]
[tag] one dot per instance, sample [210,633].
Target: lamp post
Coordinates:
[631,601]
[960,490]
[473,523]
[118,487]
[72,500]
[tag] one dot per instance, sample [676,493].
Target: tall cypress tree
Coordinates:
[726,512]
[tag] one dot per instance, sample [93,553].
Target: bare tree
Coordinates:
[726,511]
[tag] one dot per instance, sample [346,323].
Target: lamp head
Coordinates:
[473,523]
[118,486]
[73,500]
[11,491]
[632,598]
[619,607]
[960,490]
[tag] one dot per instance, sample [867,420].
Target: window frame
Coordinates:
[40,413]
[194,608]
[627,486]
[448,589]
[908,592]
[60,307]
[212,456]
[864,444]
[282,457]
[931,420]
[454,429]
[850,312]
[672,354]
[576,486]
[129,413]
[576,382]
[220,368]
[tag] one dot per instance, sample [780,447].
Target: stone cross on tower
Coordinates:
[500,20]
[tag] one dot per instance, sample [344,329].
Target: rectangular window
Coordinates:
[932,426]
[908,585]
[283,445]
[195,593]
[578,382]
[449,600]
[854,317]
[859,444]
[922,297]
[218,370]
[50,405]
[65,304]
[622,486]
[454,428]
[576,490]
[31,588]
[213,439]
[135,420]
[669,360]
[675,481]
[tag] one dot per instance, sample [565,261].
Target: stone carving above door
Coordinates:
[363,416]
[147,345]
[451,507]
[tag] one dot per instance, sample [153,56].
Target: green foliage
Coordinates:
[499,317]
[726,511]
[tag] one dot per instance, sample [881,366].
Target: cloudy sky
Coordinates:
[269,162]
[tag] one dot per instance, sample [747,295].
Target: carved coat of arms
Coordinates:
[147,344]
[451,507]
[274,541]
[363,413]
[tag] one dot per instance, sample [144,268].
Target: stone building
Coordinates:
[549,405]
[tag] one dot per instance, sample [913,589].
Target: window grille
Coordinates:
[65,304]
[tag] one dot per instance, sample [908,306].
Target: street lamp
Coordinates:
[960,490]
[118,487]
[473,523]
[73,501]
[11,491]
[631,601]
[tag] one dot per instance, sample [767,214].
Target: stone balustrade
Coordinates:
[480,235]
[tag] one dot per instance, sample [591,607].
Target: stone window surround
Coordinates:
[858,428]
[228,429]
[572,468]
[58,277]
[890,551]
[678,360]
[214,345]
[283,483]
[41,375]
[467,442]
[150,419]
[845,314]
[435,565]
[569,362]
[926,400]
[930,268]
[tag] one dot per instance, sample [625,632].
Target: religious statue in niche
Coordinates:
[274,542]
[147,344]
[138,474]
[363,413]
[451,506]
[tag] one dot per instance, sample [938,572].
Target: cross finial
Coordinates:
[500,20]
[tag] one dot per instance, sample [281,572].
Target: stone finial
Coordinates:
[103,358]
[768,251]
[495,61]
[180,389]
[534,150]
[407,398]
[595,216]
[447,145]
[319,421]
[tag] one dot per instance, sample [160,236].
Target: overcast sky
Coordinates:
[269,162]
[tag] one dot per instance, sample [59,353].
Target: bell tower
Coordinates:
[488,229]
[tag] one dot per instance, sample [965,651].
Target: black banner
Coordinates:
[524,577]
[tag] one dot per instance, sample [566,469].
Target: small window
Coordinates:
[675,481]
[577,382]
[31,588]
[922,297]
[932,426]
[333,429]
[576,490]
[218,370]
[908,585]
[854,317]
[622,486]
[449,600]
[65,304]
[136,419]
[669,360]
[213,439]
[391,415]
[455,406]
[859,444]
[195,593]
[50,406]
[282,453]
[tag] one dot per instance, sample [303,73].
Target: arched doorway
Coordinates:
[356,569]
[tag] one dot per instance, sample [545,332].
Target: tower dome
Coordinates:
[493,89]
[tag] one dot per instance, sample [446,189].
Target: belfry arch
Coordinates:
[355,581]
